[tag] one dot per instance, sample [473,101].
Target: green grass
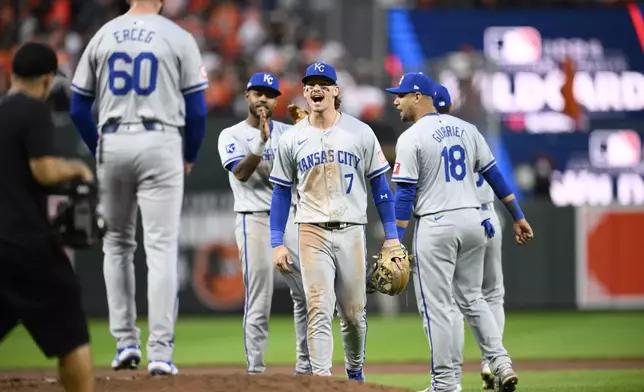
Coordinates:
[529,336]
[577,381]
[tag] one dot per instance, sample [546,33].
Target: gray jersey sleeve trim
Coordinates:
[82,91]
[379,171]
[280,181]
[488,166]
[195,88]
[404,179]
[231,160]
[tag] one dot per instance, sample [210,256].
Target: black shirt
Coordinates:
[26,132]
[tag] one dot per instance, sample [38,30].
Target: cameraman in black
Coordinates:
[38,286]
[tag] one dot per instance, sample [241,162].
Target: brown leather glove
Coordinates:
[297,113]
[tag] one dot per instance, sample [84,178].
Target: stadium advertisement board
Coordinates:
[524,79]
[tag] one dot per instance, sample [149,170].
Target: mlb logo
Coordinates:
[615,148]
[512,45]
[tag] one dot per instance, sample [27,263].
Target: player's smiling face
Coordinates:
[320,93]
[261,99]
[405,104]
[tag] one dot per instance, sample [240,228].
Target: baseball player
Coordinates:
[329,157]
[435,161]
[247,150]
[493,289]
[146,74]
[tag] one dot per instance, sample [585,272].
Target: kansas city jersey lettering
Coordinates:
[329,156]
[330,169]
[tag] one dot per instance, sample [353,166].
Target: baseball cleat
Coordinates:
[127,358]
[355,375]
[162,368]
[508,380]
[488,378]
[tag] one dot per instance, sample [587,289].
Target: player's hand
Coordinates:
[264,125]
[84,172]
[282,259]
[188,168]
[391,243]
[522,232]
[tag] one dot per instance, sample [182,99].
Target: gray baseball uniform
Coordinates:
[253,203]
[437,153]
[330,169]
[493,289]
[139,67]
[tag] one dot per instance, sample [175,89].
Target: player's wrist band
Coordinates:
[515,210]
[391,232]
[257,146]
[277,238]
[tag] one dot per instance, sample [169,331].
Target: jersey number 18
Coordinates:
[454,162]
[132,81]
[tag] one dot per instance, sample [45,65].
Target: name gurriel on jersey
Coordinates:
[328,156]
[447,131]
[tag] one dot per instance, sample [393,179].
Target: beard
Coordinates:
[254,110]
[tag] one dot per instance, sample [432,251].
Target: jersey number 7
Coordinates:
[129,81]
[454,162]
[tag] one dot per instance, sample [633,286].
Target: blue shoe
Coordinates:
[162,368]
[355,375]
[127,358]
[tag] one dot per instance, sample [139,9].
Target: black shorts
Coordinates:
[39,288]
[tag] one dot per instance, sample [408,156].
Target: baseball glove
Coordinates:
[296,113]
[390,273]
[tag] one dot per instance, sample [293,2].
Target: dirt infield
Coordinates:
[234,379]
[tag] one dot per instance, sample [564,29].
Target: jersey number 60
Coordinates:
[132,81]
[454,162]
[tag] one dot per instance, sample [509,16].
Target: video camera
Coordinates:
[78,220]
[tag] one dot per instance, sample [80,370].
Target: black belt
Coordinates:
[333,225]
[147,125]
[255,213]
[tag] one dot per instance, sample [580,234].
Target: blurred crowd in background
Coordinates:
[237,38]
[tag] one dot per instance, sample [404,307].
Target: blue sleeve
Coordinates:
[495,178]
[196,112]
[81,114]
[404,201]
[280,205]
[384,200]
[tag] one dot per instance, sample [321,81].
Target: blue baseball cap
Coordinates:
[321,70]
[414,82]
[266,80]
[442,99]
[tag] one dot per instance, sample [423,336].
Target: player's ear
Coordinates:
[336,91]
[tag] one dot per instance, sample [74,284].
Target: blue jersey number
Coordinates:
[454,162]
[129,82]
[350,178]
